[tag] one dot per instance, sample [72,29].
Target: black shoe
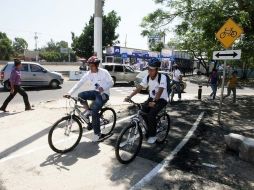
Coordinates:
[102,137]
[2,109]
[89,127]
[29,109]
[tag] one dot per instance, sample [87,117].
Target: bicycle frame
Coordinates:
[79,112]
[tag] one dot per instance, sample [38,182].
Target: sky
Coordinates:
[56,19]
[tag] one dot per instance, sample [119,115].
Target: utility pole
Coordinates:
[98,28]
[36,38]
[125,42]
[36,45]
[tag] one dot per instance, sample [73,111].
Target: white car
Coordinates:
[120,72]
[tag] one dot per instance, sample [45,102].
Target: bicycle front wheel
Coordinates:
[107,120]
[65,134]
[128,144]
[163,128]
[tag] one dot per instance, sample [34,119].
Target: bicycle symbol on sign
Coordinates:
[228,32]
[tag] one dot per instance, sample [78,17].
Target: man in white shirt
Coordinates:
[158,97]
[177,77]
[101,82]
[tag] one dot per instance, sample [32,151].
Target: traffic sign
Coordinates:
[64,50]
[227,55]
[228,33]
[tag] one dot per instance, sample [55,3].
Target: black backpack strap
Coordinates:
[159,78]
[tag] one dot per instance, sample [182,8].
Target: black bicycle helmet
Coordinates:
[93,60]
[154,63]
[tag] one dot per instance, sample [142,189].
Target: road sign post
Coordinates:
[227,35]
[225,55]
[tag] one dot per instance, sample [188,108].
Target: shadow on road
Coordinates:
[84,150]
[5,114]
[24,143]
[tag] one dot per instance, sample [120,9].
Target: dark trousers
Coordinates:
[178,88]
[229,92]
[150,118]
[22,92]
[214,90]
[96,107]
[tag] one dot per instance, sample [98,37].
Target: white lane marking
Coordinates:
[161,166]
[47,146]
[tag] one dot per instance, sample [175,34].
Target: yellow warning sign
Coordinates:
[228,33]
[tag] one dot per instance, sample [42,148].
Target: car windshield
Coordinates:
[142,74]
[129,69]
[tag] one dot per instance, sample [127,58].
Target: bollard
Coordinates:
[199,92]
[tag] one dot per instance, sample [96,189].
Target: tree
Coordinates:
[52,52]
[83,44]
[6,50]
[199,20]
[19,46]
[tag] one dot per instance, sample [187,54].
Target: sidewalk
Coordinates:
[205,163]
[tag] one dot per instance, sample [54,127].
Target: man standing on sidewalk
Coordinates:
[232,86]
[15,81]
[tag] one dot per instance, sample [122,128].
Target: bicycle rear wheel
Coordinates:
[65,134]
[107,120]
[163,128]
[128,144]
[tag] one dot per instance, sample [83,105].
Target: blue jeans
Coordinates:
[98,103]
[214,90]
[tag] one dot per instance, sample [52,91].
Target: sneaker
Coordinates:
[151,140]
[86,113]
[98,138]
[29,109]
[122,144]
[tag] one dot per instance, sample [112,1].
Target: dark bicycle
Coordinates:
[66,133]
[130,139]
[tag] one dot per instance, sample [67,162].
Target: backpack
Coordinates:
[169,89]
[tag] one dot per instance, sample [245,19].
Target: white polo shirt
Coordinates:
[154,86]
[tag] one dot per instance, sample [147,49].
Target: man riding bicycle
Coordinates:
[100,84]
[158,96]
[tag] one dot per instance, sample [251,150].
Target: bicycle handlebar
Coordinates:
[73,98]
[134,103]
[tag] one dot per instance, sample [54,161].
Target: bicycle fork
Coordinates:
[131,140]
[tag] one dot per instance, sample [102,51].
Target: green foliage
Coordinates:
[52,52]
[83,44]
[6,50]
[19,45]
[199,20]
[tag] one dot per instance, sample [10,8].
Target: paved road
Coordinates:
[37,95]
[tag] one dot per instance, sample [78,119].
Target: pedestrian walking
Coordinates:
[231,86]
[15,82]
[177,78]
[214,82]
